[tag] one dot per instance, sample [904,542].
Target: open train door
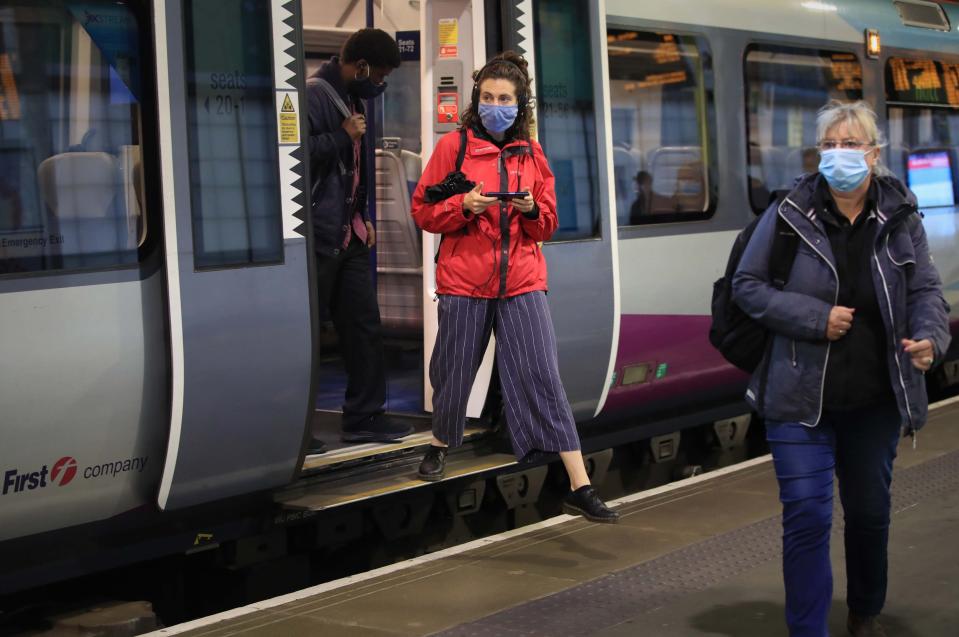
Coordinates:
[565,44]
[237,261]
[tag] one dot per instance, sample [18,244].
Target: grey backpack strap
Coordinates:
[340,106]
[334,96]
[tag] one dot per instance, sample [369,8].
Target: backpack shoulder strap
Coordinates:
[783,252]
[333,95]
[462,152]
[344,110]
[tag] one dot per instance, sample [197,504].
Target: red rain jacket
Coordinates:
[496,253]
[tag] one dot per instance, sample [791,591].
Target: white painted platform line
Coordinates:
[944,403]
[463,548]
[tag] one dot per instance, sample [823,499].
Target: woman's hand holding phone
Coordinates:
[525,204]
[475,203]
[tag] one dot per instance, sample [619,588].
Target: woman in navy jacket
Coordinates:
[859,322]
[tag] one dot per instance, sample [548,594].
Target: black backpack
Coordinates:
[741,340]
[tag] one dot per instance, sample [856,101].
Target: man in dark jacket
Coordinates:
[342,232]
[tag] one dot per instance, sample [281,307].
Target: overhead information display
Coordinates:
[922,82]
[649,59]
[846,72]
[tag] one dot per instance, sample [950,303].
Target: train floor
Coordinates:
[696,557]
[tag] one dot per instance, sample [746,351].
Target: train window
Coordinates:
[660,89]
[71,194]
[234,183]
[923,127]
[566,113]
[785,87]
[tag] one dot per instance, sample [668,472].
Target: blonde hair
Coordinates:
[858,115]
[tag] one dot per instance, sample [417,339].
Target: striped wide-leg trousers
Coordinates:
[538,415]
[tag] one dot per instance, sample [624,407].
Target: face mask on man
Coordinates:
[364,87]
[844,168]
[497,119]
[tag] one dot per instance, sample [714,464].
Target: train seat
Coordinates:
[792,164]
[413,164]
[627,162]
[678,180]
[81,191]
[774,167]
[399,268]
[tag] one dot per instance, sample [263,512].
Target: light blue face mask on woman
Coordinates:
[497,119]
[844,168]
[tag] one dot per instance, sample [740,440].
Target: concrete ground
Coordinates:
[702,558]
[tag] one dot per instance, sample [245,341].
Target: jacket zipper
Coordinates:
[825,365]
[895,346]
[794,352]
[504,233]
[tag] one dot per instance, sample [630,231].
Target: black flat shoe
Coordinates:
[584,501]
[316,446]
[379,428]
[433,465]
[864,626]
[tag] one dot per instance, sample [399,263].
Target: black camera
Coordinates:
[455,183]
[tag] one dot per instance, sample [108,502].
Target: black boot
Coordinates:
[864,625]
[584,501]
[434,464]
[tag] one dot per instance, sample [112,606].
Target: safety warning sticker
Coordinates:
[288,121]
[448,37]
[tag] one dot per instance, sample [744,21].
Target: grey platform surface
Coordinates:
[702,559]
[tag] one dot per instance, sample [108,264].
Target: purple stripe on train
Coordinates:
[667,361]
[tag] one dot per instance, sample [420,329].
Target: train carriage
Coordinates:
[164,358]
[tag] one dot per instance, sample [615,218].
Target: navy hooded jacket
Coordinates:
[333,204]
[788,384]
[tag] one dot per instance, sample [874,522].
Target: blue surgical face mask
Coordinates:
[845,169]
[497,119]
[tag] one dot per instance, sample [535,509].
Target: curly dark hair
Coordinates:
[373,45]
[508,65]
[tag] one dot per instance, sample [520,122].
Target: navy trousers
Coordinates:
[538,415]
[345,287]
[859,446]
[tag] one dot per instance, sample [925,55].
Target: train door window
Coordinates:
[234,185]
[785,87]
[660,90]
[922,98]
[71,187]
[566,113]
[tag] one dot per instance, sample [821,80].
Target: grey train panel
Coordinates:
[583,309]
[582,284]
[243,339]
[83,401]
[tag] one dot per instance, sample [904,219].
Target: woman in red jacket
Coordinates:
[491,275]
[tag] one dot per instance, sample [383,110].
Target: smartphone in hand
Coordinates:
[506,195]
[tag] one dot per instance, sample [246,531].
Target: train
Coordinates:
[164,362]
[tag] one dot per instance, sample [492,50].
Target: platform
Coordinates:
[697,557]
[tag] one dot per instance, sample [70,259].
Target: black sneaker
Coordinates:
[316,446]
[864,626]
[433,465]
[584,501]
[378,428]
